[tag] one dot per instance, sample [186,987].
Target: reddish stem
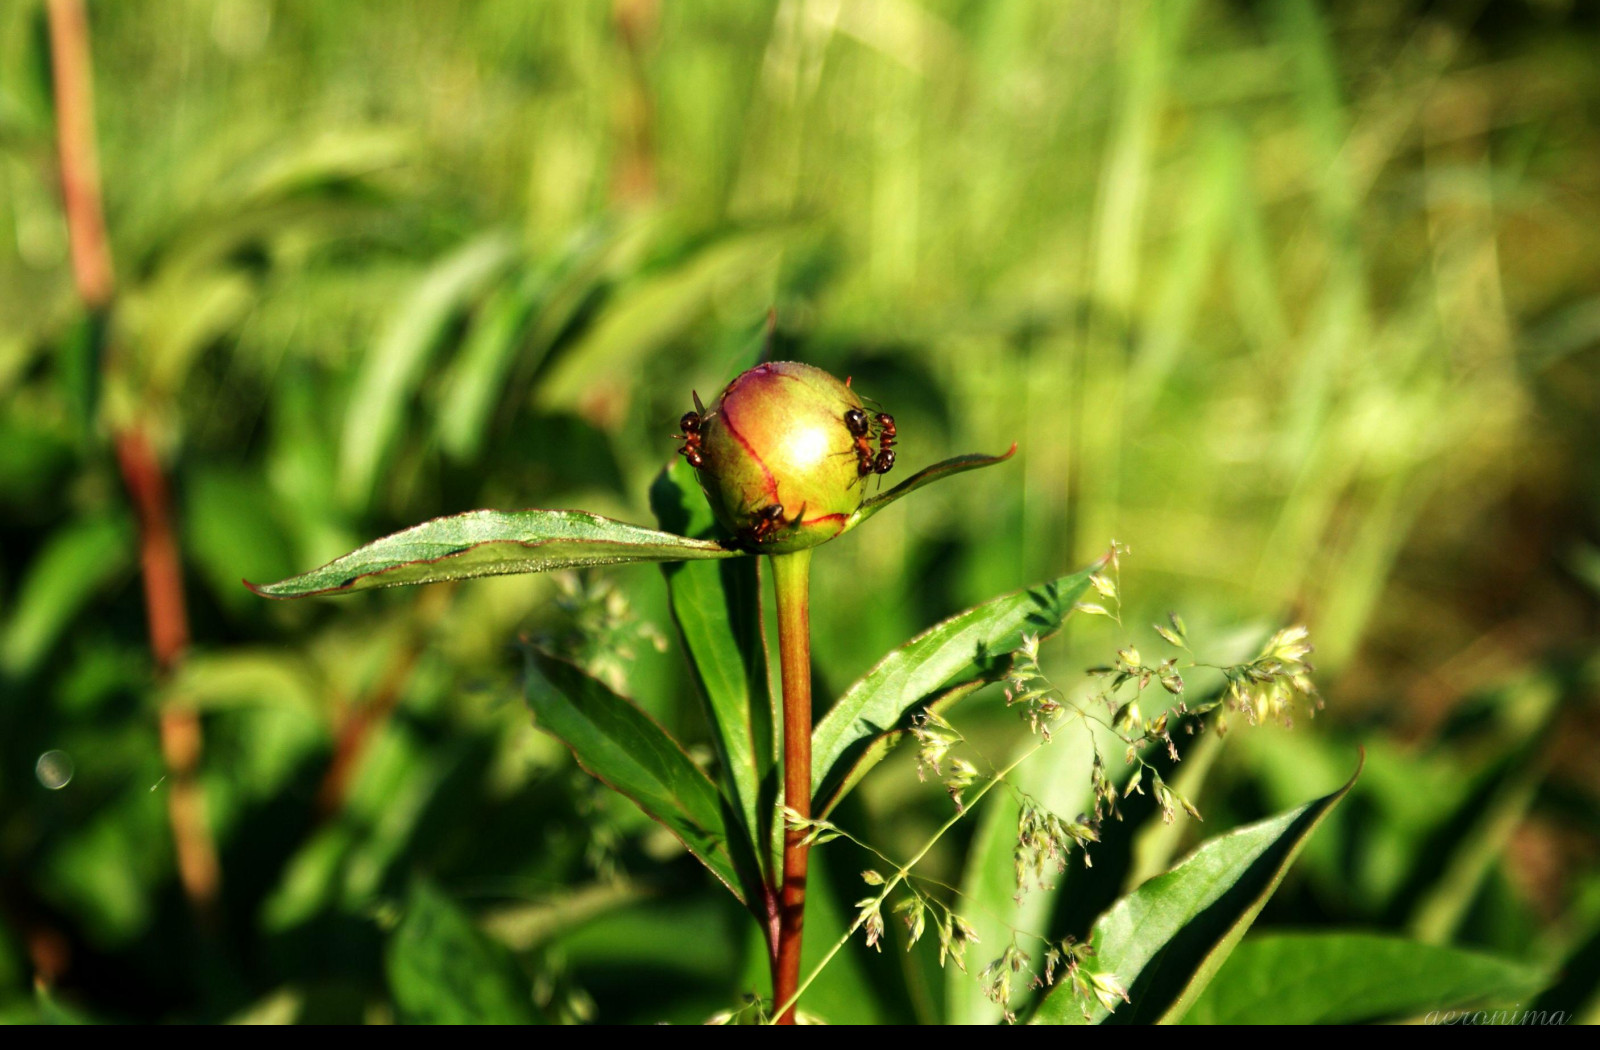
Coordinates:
[360,726]
[161,567]
[792,578]
[72,80]
[159,560]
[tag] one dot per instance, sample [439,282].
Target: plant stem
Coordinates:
[791,575]
[142,475]
[358,727]
[786,1003]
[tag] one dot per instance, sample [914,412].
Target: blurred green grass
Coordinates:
[1297,300]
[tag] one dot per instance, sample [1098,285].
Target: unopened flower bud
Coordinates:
[779,463]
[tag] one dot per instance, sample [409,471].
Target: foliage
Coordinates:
[1296,299]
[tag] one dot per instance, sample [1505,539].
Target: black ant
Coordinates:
[768,518]
[690,423]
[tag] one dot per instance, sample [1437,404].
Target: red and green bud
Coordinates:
[778,461]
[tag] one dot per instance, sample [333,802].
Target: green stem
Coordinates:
[791,575]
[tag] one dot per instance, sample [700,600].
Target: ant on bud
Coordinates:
[768,518]
[860,428]
[690,423]
[883,462]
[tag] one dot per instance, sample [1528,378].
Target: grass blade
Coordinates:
[390,374]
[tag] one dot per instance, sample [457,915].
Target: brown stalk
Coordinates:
[160,561]
[791,575]
[360,725]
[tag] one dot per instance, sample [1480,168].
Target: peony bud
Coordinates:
[778,462]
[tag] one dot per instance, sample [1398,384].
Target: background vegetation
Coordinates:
[1300,301]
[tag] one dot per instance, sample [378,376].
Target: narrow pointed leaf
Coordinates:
[1356,978]
[926,476]
[619,744]
[391,373]
[1165,941]
[649,313]
[717,610]
[78,559]
[476,380]
[492,543]
[970,644]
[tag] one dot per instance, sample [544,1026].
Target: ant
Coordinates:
[856,421]
[768,518]
[883,462]
[690,424]
[860,426]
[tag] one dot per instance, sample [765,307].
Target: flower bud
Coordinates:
[778,461]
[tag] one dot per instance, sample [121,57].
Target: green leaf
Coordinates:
[391,373]
[646,315]
[476,381]
[245,677]
[926,476]
[346,863]
[626,749]
[443,970]
[1474,840]
[528,924]
[864,758]
[1351,978]
[970,644]
[180,313]
[1164,941]
[718,612]
[492,543]
[77,560]
[1153,846]
[230,526]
